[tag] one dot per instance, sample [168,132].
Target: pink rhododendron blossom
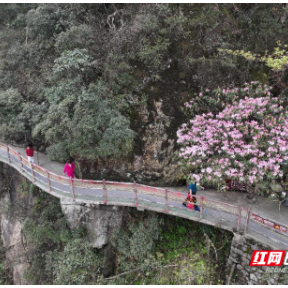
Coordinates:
[237,144]
[209,170]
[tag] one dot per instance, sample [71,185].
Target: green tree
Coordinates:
[77,264]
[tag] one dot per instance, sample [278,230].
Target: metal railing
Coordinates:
[216,213]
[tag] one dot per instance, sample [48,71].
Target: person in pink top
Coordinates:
[69,169]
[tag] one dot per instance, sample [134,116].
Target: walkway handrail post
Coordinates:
[72,188]
[201,207]
[48,180]
[20,162]
[32,172]
[247,220]
[166,200]
[8,154]
[239,218]
[135,193]
[104,191]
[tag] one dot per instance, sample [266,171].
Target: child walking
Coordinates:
[30,153]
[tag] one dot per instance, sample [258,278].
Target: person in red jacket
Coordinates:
[69,169]
[30,153]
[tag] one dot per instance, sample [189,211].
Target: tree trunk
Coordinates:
[252,191]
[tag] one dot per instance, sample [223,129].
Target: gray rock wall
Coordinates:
[153,161]
[14,206]
[99,220]
[240,255]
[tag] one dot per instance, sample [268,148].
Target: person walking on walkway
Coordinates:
[69,169]
[30,153]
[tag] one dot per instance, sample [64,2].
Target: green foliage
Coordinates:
[47,20]
[51,54]
[4,275]
[181,247]
[214,101]
[50,228]
[10,13]
[119,73]
[71,63]
[84,125]
[174,240]
[51,115]
[77,264]
[77,37]
[137,244]
[152,55]
[4,270]
[57,254]
[169,250]
[277,60]
[11,122]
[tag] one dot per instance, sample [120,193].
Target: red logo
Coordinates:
[267,258]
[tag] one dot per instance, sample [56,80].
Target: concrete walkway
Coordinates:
[42,160]
[263,206]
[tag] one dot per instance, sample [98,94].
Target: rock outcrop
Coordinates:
[238,269]
[100,220]
[14,206]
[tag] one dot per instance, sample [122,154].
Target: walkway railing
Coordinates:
[212,212]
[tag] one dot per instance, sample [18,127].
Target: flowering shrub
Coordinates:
[247,141]
[216,100]
[280,197]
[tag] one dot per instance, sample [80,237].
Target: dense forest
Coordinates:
[106,83]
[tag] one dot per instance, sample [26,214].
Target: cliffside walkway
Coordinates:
[261,225]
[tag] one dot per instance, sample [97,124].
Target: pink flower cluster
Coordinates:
[247,141]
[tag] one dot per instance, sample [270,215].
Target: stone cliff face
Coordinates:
[14,205]
[155,164]
[239,260]
[153,161]
[100,221]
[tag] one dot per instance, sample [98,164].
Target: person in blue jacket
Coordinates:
[193,187]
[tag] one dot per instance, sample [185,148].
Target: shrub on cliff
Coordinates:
[247,141]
